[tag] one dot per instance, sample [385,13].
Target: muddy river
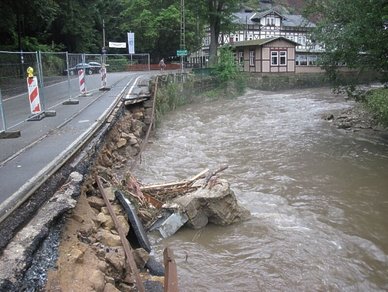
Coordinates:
[318,195]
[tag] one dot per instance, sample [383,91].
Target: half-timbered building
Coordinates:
[264,25]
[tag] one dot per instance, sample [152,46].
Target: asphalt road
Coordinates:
[44,143]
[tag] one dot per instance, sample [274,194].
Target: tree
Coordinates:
[26,24]
[156,25]
[219,16]
[354,32]
[79,25]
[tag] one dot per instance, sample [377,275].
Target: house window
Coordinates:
[274,58]
[251,58]
[312,60]
[306,60]
[283,57]
[301,60]
[240,57]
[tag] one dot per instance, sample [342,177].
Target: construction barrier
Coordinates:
[33,95]
[103,79]
[82,84]
[103,76]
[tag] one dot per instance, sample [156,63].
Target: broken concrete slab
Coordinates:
[216,204]
[16,258]
[172,224]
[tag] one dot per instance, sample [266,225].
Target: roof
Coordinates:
[261,42]
[297,20]
[259,15]
[291,20]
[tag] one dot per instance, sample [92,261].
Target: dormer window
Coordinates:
[270,21]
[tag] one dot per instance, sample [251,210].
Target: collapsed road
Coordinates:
[75,147]
[78,241]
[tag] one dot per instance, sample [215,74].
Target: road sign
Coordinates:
[181,53]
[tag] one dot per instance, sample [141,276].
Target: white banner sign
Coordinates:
[117,45]
[131,43]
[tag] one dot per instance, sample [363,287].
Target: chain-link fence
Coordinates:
[133,62]
[52,68]
[13,66]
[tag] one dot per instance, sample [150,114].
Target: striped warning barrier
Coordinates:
[103,76]
[33,95]
[82,84]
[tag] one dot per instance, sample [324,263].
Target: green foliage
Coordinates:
[118,64]
[377,102]
[169,97]
[157,26]
[172,95]
[226,68]
[77,26]
[53,64]
[218,15]
[354,33]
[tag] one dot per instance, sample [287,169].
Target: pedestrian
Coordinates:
[162,64]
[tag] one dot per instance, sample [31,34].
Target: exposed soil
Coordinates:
[91,256]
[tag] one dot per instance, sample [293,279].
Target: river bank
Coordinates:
[355,119]
[90,255]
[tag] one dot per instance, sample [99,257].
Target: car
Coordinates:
[90,68]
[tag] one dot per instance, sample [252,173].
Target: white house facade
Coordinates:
[268,24]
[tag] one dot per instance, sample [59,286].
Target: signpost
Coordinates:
[181,53]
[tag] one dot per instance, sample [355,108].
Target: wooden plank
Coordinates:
[127,248]
[153,201]
[213,173]
[182,183]
[171,275]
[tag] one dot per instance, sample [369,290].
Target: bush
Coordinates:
[169,98]
[226,68]
[118,64]
[377,101]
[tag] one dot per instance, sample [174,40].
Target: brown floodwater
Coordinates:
[318,195]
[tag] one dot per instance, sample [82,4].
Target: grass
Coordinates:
[377,102]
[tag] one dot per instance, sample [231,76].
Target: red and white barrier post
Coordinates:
[81,79]
[33,95]
[37,108]
[103,78]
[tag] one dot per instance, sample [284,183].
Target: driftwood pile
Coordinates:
[166,207]
[197,200]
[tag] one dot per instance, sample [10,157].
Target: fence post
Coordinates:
[4,134]
[40,79]
[70,100]
[82,78]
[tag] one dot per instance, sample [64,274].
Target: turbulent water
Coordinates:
[318,196]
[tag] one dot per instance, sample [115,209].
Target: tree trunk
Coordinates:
[213,47]
[215,8]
